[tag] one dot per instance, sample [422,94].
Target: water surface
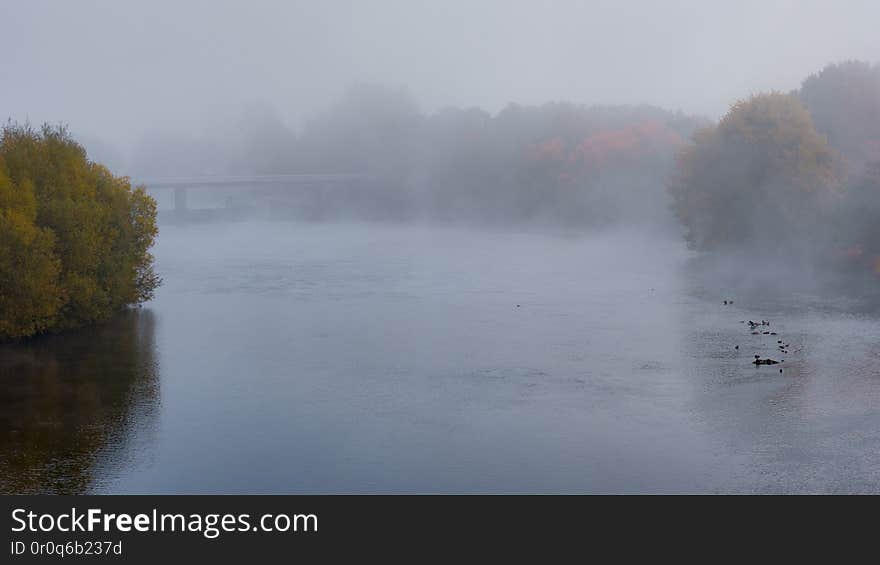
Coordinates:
[321,358]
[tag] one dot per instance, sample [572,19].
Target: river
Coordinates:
[355,358]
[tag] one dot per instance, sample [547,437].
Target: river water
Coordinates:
[345,358]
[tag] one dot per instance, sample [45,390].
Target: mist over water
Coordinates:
[493,247]
[346,357]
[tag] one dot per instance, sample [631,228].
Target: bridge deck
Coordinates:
[228,181]
[253,184]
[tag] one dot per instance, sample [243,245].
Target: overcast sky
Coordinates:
[114,69]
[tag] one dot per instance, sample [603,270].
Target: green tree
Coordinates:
[844,100]
[74,239]
[762,177]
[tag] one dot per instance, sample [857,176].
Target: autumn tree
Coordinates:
[763,177]
[606,176]
[30,296]
[74,238]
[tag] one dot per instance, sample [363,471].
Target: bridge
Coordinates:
[255,184]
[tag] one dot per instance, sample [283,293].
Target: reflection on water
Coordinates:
[810,424]
[72,405]
[318,358]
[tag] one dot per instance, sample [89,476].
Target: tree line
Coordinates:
[552,163]
[781,174]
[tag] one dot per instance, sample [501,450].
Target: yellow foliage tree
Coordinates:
[762,175]
[74,239]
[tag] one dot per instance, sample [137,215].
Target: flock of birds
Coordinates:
[757,328]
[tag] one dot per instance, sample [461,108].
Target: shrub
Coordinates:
[74,238]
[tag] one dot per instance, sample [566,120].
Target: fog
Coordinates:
[553,114]
[495,246]
[119,72]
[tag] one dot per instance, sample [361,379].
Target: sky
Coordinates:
[114,70]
